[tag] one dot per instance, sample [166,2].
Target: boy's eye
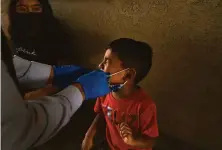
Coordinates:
[104,60]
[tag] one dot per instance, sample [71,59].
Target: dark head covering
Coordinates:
[38,36]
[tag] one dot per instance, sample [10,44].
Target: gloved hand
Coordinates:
[67,74]
[94,84]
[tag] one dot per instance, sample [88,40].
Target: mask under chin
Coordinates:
[117,87]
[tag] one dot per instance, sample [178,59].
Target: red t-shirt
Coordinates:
[138,111]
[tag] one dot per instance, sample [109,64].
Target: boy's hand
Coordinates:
[138,141]
[126,133]
[87,143]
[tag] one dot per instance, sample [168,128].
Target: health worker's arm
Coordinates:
[46,91]
[25,124]
[32,75]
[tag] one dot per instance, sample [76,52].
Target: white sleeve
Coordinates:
[31,75]
[29,123]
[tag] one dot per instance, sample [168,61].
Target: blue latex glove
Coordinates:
[95,84]
[67,74]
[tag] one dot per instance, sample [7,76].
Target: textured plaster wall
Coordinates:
[186,36]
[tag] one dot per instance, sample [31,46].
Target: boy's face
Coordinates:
[112,64]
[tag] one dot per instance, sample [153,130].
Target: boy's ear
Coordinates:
[130,74]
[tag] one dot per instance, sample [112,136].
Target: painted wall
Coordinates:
[186,36]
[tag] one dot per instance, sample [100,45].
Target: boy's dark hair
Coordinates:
[133,54]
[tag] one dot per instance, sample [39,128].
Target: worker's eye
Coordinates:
[22,9]
[36,9]
[27,9]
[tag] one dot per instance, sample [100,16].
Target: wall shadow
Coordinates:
[87,45]
[167,142]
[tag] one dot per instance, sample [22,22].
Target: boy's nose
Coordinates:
[100,66]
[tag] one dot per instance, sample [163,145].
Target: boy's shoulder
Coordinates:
[144,99]
[141,98]
[102,98]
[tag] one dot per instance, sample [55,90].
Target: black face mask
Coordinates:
[26,26]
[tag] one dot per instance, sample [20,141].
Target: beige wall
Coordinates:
[186,78]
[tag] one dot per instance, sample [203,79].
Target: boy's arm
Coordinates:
[97,124]
[88,143]
[149,127]
[144,142]
[148,121]
[94,126]
[98,121]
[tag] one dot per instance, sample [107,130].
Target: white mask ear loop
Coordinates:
[117,72]
[124,83]
[121,85]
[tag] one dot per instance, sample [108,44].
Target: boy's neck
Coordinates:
[125,92]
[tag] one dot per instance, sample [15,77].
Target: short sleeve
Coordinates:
[98,107]
[148,121]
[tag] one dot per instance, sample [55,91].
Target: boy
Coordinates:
[130,114]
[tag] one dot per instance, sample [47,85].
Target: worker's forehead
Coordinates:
[28,2]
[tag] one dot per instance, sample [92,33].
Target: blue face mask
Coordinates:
[117,87]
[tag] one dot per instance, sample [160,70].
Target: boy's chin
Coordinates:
[116,91]
[104,71]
